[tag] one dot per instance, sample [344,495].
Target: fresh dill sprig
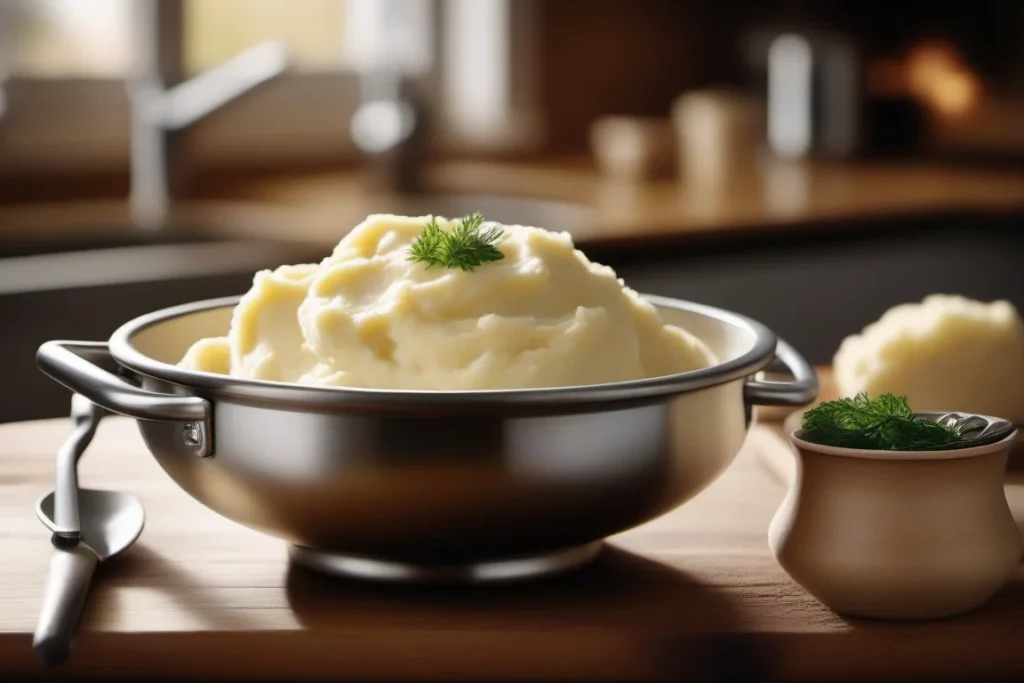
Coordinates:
[427,245]
[884,423]
[465,247]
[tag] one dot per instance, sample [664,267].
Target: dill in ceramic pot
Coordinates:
[884,423]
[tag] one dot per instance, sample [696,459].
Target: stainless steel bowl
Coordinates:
[421,485]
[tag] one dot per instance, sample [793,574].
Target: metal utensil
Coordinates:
[86,416]
[111,521]
[974,430]
[88,526]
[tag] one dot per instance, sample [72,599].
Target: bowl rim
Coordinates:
[756,358]
[871,454]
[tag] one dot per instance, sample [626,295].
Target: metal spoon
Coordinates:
[111,521]
[86,416]
[974,430]
[89,526]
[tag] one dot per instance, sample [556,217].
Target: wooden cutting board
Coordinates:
[692,595]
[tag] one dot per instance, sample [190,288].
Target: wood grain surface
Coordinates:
[318,209]
[776,197]
[692,595]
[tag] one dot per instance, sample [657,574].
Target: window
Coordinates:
[315,31]
[64,64]
[62,38]
[70,65]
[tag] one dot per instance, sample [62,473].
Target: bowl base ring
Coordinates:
[490,571]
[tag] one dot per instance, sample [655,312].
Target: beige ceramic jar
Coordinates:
[898,534]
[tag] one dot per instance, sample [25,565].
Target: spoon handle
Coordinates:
[86,417]
[67,584]
[65,500]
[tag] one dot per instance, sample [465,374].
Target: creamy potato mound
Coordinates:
[946,353]
[366,316]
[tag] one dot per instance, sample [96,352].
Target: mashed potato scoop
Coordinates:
[946,353]
[529,310]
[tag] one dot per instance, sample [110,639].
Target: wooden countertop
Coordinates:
[319,208]
[694,594]
[779,196]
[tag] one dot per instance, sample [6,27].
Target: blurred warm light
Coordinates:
[938,75]
[932,72]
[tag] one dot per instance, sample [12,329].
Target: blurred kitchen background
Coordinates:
[808,163]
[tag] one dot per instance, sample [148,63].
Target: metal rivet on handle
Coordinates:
[192,435]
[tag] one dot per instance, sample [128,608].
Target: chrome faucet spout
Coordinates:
[390,127]
[165,104]
[187,103]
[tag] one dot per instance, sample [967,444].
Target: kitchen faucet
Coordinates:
[390,127]
[164,104]
[390,124]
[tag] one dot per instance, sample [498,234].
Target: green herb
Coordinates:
[465,247]
[885,423]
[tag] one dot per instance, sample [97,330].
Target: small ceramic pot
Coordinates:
[897,534]
[719,134]
[633,148]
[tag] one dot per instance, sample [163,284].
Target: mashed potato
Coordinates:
[366,316]
[945,353]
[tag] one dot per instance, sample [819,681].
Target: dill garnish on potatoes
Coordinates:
[466,246]
[884,423]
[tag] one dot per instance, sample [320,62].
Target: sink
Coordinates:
[102,237]
[551,214]
[67,247]
[327,211]
[80,271]
[87,226]
[203,227]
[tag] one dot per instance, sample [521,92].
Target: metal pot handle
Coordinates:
[75,365]
[801,391]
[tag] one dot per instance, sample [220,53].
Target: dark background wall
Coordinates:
[635,57]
